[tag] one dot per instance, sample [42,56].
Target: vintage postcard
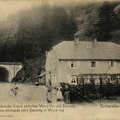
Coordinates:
[59,60]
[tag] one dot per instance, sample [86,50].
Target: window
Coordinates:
[87,79]
[96,79]
[49,66]
[54,79]
[50,77]
[73,79]
[72,64]
[54,65]
[111,63]
[118,79]
[93,63]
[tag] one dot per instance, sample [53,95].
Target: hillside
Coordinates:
[26,36]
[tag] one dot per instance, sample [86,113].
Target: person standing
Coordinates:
[67,94]
[49,93]
[59,96]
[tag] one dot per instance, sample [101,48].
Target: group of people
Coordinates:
[62,94]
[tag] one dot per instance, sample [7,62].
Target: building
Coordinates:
[69,59]
[42,79]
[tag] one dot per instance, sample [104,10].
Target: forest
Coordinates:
[26,36]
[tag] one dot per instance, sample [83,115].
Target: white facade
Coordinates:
[66,70]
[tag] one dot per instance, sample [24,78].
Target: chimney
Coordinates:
[95,42]
[76,39]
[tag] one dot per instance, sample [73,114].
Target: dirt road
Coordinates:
[28,93]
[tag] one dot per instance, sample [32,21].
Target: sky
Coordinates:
[8,7]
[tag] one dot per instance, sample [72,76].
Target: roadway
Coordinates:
[34,94]
[28,93]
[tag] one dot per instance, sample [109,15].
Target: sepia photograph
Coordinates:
[59,59]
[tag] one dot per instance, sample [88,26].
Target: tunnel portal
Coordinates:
[4,75]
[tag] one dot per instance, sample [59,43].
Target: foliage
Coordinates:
[30,33]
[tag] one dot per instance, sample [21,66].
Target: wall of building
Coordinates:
[61,70]
[84,67]
[52,68]
[42,80]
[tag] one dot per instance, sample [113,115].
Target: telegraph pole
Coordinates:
[14,67]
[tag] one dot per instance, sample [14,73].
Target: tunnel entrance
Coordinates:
[4,75]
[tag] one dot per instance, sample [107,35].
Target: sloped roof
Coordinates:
[87,50]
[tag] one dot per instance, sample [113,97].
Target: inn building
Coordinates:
[71,59]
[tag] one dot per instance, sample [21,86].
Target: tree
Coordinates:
[107,21]
[86,21]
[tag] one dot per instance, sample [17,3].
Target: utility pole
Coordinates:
[14,67]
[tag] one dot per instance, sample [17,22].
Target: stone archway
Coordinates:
[5,74]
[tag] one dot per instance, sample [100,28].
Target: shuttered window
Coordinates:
[73,64]
[112,64]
